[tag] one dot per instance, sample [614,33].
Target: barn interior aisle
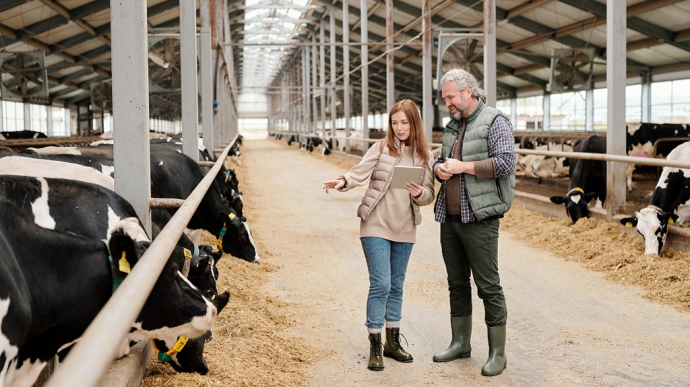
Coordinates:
[566,326]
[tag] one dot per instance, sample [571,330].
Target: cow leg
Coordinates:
[629,168]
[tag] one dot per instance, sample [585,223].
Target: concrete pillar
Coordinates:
[346,71]
[427,49]
[27,116]
[616,19]
[589,110]
[646,102]
[206,64]
[49,120]
[322,74]
[513,113]
[364,32]
[131,105]
[547,113]
[390,57]
[313,83]
[490,51]
[189,92]
[333,71]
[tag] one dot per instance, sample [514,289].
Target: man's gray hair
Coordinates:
[464,79]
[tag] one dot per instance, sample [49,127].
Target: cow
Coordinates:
[52,285]
[174,175]
[27,166]
[92,211]
[587,179]
[544,166]
[640,143]
[23,134]
[670,203]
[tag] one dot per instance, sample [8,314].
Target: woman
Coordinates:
[389,221]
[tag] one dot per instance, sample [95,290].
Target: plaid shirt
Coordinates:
[501,150]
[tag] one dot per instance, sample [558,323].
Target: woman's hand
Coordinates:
[415,189]
[333,184]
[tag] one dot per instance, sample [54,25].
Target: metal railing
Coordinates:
[95,351]
[573,155]
[606,157]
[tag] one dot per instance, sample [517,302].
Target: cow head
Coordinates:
[203,272]
[174,307]
[187,355]
[652,223]
[576,201]
[235,238]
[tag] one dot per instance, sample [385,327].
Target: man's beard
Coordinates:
[458,113]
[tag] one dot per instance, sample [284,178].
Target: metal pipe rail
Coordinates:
[607,157]
[370,140]
[90,358]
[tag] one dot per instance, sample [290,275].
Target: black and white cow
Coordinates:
[640,143]
[24,165]
[587,179]
[46,275]
[22,134]
[670,203]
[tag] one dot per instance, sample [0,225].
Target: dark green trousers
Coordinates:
[472,248]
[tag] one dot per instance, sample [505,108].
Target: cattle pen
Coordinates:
[165,217]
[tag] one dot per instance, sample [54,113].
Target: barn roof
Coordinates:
[74,35]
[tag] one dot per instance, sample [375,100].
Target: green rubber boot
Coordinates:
[375,358]
[461,329]
[497,351]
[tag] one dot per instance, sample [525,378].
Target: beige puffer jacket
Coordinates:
[381,179]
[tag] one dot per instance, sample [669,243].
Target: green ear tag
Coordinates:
[162,356]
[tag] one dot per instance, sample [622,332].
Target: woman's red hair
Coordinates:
[417,139]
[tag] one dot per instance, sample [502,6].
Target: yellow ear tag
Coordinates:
[124,265]
[180,344]
[629,224]
[187,253]
[213,298]
[670,220]
[232,216]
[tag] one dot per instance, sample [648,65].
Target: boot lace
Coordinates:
[396,340]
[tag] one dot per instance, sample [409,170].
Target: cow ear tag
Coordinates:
[213,297]
[188,254]
[670,220]
[628,224]
[232,216]
[123,264]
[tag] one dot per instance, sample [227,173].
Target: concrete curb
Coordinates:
[129,371]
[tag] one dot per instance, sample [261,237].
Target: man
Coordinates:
[476,169]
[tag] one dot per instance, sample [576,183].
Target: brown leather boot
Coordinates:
[375,358]
[393,348]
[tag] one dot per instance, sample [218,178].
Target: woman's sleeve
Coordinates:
[360,173]
[427,196]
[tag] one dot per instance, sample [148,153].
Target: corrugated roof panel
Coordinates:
[99,18]
[511,33]
[659,55]
[57,34]
[674,17]
[85,46]
[165,16]
[26,14]
[72,4]
[556,15]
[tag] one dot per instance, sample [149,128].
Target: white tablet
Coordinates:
[403,175]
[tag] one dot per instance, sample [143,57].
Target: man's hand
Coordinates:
[454,166]
[442,172]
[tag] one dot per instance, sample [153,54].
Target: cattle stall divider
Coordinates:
[607,157]
[96,349]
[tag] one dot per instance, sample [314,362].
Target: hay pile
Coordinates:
[604,247]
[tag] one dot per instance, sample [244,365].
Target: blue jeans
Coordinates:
[387,264]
